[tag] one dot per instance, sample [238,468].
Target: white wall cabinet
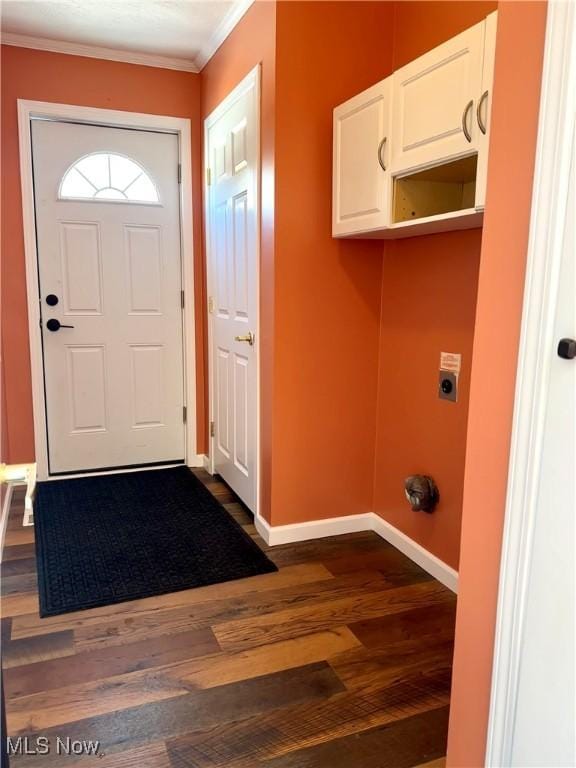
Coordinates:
[484,108]
[434,100]
[361,185]
[411,152]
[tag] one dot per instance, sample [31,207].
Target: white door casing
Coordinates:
[232,228]
[533,703]
[547,674]
[361,178]
[434,96]
[114,381]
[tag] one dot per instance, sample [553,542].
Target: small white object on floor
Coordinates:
[20,474]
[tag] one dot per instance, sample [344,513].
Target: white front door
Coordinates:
[108,238]
[232,234]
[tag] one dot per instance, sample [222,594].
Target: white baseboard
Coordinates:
[263,528]
[425,559]
[196,460]
[206,463]
[316,529]
[336,526]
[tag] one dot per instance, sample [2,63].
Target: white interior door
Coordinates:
[545,718]
[108,238]
[533,702]
[232,229]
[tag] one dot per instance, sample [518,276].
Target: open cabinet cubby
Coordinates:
[434,191]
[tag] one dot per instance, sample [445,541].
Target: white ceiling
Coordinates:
[180,34]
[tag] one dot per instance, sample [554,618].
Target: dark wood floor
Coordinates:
[342,659]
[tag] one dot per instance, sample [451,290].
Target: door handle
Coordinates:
[380,148]
[249,338]
[481,123]
[55,325]
[467,109]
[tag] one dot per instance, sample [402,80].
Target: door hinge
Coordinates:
[208,176]
[179,173]
[211,305]
[184,413]
[212,430]
[182,299]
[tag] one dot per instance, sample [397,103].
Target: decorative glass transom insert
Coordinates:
[108,176]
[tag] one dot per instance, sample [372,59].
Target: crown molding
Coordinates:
[97,52]
[222,31]
[132,57]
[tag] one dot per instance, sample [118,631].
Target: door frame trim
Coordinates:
[537,347]
[251,80]
[181,127]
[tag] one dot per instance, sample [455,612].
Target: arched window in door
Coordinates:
[108,176]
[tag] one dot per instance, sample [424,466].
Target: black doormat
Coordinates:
[104,540]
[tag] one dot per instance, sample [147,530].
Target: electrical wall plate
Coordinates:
[447,386]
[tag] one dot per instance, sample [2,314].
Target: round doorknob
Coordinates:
[567,349]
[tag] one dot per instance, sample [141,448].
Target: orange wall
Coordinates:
[42,76]
[327,298]
[320,297]
[428,304]
[521,28]
[253,42]
[420,25]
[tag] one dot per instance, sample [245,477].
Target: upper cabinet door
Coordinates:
[434,102]
[361,180]
[484,109]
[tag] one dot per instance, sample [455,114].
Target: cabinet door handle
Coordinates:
[380,148]
[481,125]
[465,120]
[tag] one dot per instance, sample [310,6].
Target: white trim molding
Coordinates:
[207,464]
[314,529]
[140,58]
[98,52]
[369,521]
[548,219]
[221,32]
[425,559]
[28,110]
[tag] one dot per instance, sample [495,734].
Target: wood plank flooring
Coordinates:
[341,659]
